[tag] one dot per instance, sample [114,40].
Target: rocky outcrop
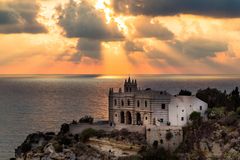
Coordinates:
[64,145]
[215,139]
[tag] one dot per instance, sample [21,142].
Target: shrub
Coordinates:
[66,141]
[26,147]
[238,111]
[58,147]
[74,122]
[100,133]
[65,128]
[156,154]
[87,133]
[195,116]
[169,135]
[216,113]
[86,119]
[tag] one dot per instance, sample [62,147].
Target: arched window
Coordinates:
[139,120]
[138,103]
[128,102]
[122,102]
[122,117]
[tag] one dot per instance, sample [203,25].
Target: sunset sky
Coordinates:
[119,36]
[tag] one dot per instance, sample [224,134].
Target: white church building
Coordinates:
[157,111]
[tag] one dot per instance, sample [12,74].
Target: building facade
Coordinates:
[132,106]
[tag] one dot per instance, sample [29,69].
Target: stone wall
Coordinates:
[157,134]
[132,128]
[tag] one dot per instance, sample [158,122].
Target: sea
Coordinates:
[32,103]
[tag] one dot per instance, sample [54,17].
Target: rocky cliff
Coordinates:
[214,139]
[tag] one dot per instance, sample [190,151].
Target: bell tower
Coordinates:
[130,85]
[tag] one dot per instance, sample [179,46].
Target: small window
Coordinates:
[161,141]
[115,102]
[163,106]
[161,120]
[138,103]
[190,105]
[200,108]
[128,102]
[122,103]
[182,110]
[146,118]
[146,104]
[182,118]
[115,115]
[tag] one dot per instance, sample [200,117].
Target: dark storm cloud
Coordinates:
[199,47]
[146,29]
[20,17]
[212,8]
[84,21]
[156,55]
[89,47]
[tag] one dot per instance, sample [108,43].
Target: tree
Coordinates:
[213,97]
[216,113]
[196,118]
[86,119]
[185,93]
[87,133]
[235,98]
[238,111]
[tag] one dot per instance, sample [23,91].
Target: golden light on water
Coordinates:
[111,77]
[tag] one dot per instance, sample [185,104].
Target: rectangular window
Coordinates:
[200,108]
[146,104]
[163,106]
[161,120]
[182,118]
[138,103]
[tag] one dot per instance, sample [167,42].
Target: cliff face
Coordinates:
[215,139]
[42,146]
[80,146]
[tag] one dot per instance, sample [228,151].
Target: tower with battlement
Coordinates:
[130,85]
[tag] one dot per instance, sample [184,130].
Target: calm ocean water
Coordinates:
[33,103]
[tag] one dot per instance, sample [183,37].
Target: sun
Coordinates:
[105,6]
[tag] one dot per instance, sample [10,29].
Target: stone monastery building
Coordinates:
[132,106]
[154,112]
